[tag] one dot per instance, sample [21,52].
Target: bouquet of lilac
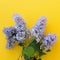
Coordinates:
[39,43]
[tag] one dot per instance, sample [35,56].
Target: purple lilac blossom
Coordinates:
[48,41]
[10,33]
[18,19]
[20,27]
[38,29]
[11,42]
[20,24]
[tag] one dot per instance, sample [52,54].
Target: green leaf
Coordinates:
[29,51]
[36,47]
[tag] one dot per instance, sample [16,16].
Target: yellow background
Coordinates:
[30,10]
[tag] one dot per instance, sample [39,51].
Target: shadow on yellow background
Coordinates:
[30,10]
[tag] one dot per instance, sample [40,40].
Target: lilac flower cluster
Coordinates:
[20,27]
[38,32]
[10,33]
[17,33]
[38,29]
[48,41]
[20,33]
